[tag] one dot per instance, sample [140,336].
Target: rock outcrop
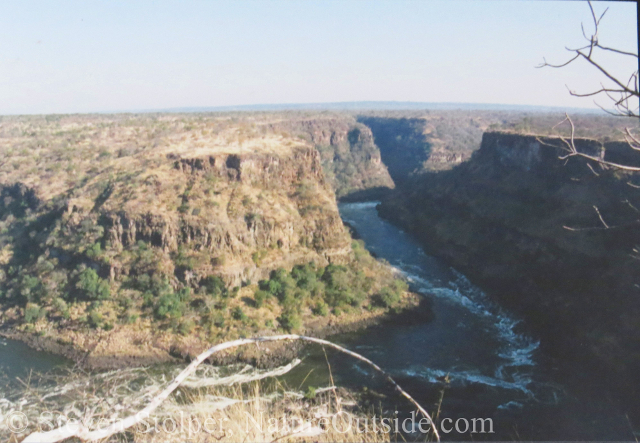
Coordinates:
[410,145]
[219,196]
[350,158]
[239,205]
[552,240]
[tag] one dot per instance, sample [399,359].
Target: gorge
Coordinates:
[497,216]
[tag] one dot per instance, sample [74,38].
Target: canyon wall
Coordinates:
[350,158]
[523,224]
[227,202]
[136,239]
[425,142]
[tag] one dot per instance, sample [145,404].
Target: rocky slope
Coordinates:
[413,142]
[523,224]
[350,158]
[419,142]
[155,230]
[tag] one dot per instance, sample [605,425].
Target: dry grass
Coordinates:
[261,414]
[214,406]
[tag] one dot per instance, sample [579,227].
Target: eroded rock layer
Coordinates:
[553,240]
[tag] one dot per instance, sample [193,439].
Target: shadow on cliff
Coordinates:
[502,217]
[364,195]
[402,143]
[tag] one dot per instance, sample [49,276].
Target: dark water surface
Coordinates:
[18,360]
[494,371]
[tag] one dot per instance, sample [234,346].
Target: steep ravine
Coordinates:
[153,246]
[350,158]
[502,219]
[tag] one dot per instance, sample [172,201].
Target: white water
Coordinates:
[472,321]
[110,396]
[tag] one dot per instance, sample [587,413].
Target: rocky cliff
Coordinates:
[129,239]
[350,158]
[425,142]
[264,195]
[236,206]
[552,240]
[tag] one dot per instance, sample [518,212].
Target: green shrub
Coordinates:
[125,301]
[33,313]
[184,294]
[400,286]
[92,286]
[387,297]
[305,276]
[260,297]
[321,309]
[95,319]
[31,288]
[238,314]
[186,326]
[147,299]
[218,320]
[258,256]
[183,260]
[94,251]
[61,306]
[214,286]
[168,304]
[290,320]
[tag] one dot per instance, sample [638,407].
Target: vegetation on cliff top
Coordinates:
[156,226]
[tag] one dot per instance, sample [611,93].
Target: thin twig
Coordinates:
[83,433]
[600,216]
[335,394]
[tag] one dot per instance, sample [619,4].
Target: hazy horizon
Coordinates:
[104,57]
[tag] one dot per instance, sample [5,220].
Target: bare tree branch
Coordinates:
[84,434]
[628,91]
[571,150]
[600,216]
[618,51]
[633,142]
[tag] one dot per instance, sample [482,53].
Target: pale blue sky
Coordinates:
[85,56]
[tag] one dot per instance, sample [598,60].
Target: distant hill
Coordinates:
[378,105]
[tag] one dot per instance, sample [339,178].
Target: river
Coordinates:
[493,371]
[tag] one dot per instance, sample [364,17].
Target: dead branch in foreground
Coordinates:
[571,150]
[84,434]
[622,93]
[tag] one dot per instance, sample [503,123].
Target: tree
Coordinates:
[93,287]
[623,95]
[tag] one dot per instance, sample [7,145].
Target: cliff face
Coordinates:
[222,199]
[238,205]
[413,145]
[146,237]
[350,158]
[522,223]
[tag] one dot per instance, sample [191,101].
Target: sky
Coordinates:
[103,56]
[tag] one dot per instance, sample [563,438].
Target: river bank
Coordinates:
[493,367]
[140,345]
[521,223]
[468,348]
